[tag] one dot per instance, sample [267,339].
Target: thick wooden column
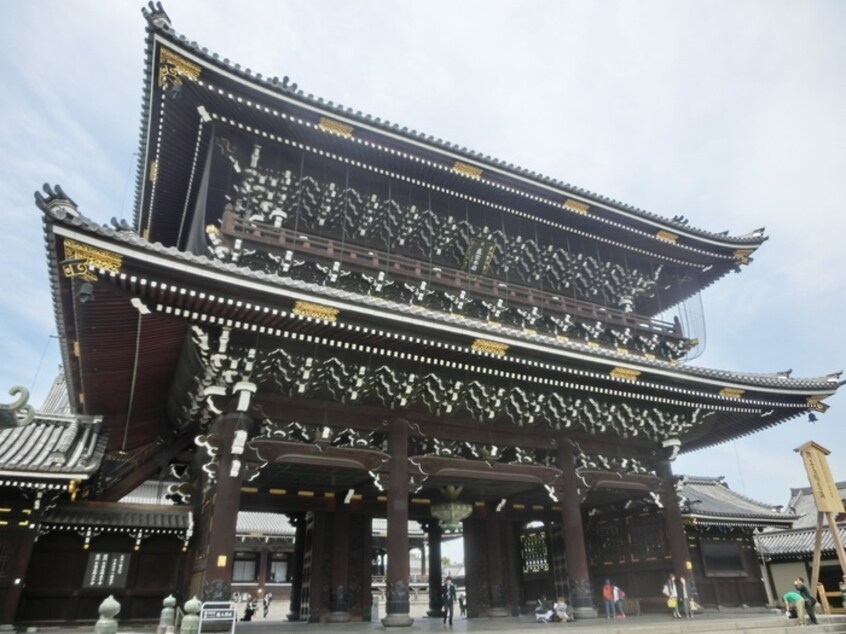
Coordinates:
[220,515]
[298,521]
[433,527]
[396,583]
[339,591]
[574,535]
[496,577]
[20,542]
[317,599]
[673,524]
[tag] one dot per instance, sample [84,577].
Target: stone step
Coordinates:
[772,624]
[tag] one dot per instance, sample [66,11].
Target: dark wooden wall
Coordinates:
[54,583]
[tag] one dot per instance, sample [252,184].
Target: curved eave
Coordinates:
[168,258]
[610,212]
[748,521]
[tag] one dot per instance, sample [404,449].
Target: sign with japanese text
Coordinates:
[106,570]
[826,495]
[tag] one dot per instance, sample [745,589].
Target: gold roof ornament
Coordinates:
[173,68]
[335,127]
[666,236]
[576,207]
[732,392]
[489,347]
[315,311]
[625,374]
[469,171]
[81,260]
[816,404]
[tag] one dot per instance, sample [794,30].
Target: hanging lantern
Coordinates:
[452,511]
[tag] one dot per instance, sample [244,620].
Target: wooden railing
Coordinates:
[402,268]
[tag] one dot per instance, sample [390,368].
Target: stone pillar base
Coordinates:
[585,613]
[498,613]
[397,620]
[338,617]
[435,614]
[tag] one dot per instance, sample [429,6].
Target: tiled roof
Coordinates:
[775,381]
[151,518]
[159,23]
[53,446]
[802,503]
[271,524]
[710,500]
[795,543]
[57,401]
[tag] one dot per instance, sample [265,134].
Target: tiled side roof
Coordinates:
[61,214]
[795,543]
[57,401]
[118,515]
[53,445]
[802,503]
[159,22]
[706,498]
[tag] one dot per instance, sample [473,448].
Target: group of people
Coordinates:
[559,612]
[613,598]
[678,593]
[251,606]
[799,602]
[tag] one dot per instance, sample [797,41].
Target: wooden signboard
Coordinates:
[828,502]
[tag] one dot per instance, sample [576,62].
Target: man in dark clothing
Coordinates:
[810,601]
[448,599]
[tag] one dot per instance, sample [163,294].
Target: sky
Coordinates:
[731,113]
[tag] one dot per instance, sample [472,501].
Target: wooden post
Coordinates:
[673,523]
[396,584]
[815,566]
[498,589]
[338,600]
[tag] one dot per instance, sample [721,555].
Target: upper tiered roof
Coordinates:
[188,90]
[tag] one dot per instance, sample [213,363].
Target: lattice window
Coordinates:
[535,552]
[647,537]
[606,544]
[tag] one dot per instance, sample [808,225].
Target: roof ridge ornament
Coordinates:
[156,15]
[16,413]
[56,201]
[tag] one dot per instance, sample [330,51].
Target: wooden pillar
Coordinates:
[433,527]
[396,583]
[298,521]
[574,535]
[513,567]
[338,593]
[673,524]
[318,554]
[21,541]
[264,558]
[496,577]
[221,510]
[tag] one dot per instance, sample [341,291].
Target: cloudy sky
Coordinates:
[732,113]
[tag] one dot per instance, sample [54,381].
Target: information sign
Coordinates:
[217,616]
[106,570]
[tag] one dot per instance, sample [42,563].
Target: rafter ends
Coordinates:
[470,171]
[625,374]
[742,255]
[575,206]
[815,403]
[489,347]
[335,127]
[666,236]
[315,311]
[731,392]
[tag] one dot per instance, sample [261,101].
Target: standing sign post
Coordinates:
[828,501]
[219,613]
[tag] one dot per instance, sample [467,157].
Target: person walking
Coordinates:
[448,599]
[619,596]
[670,590]
[608,598]
[810,601]
[684,598]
